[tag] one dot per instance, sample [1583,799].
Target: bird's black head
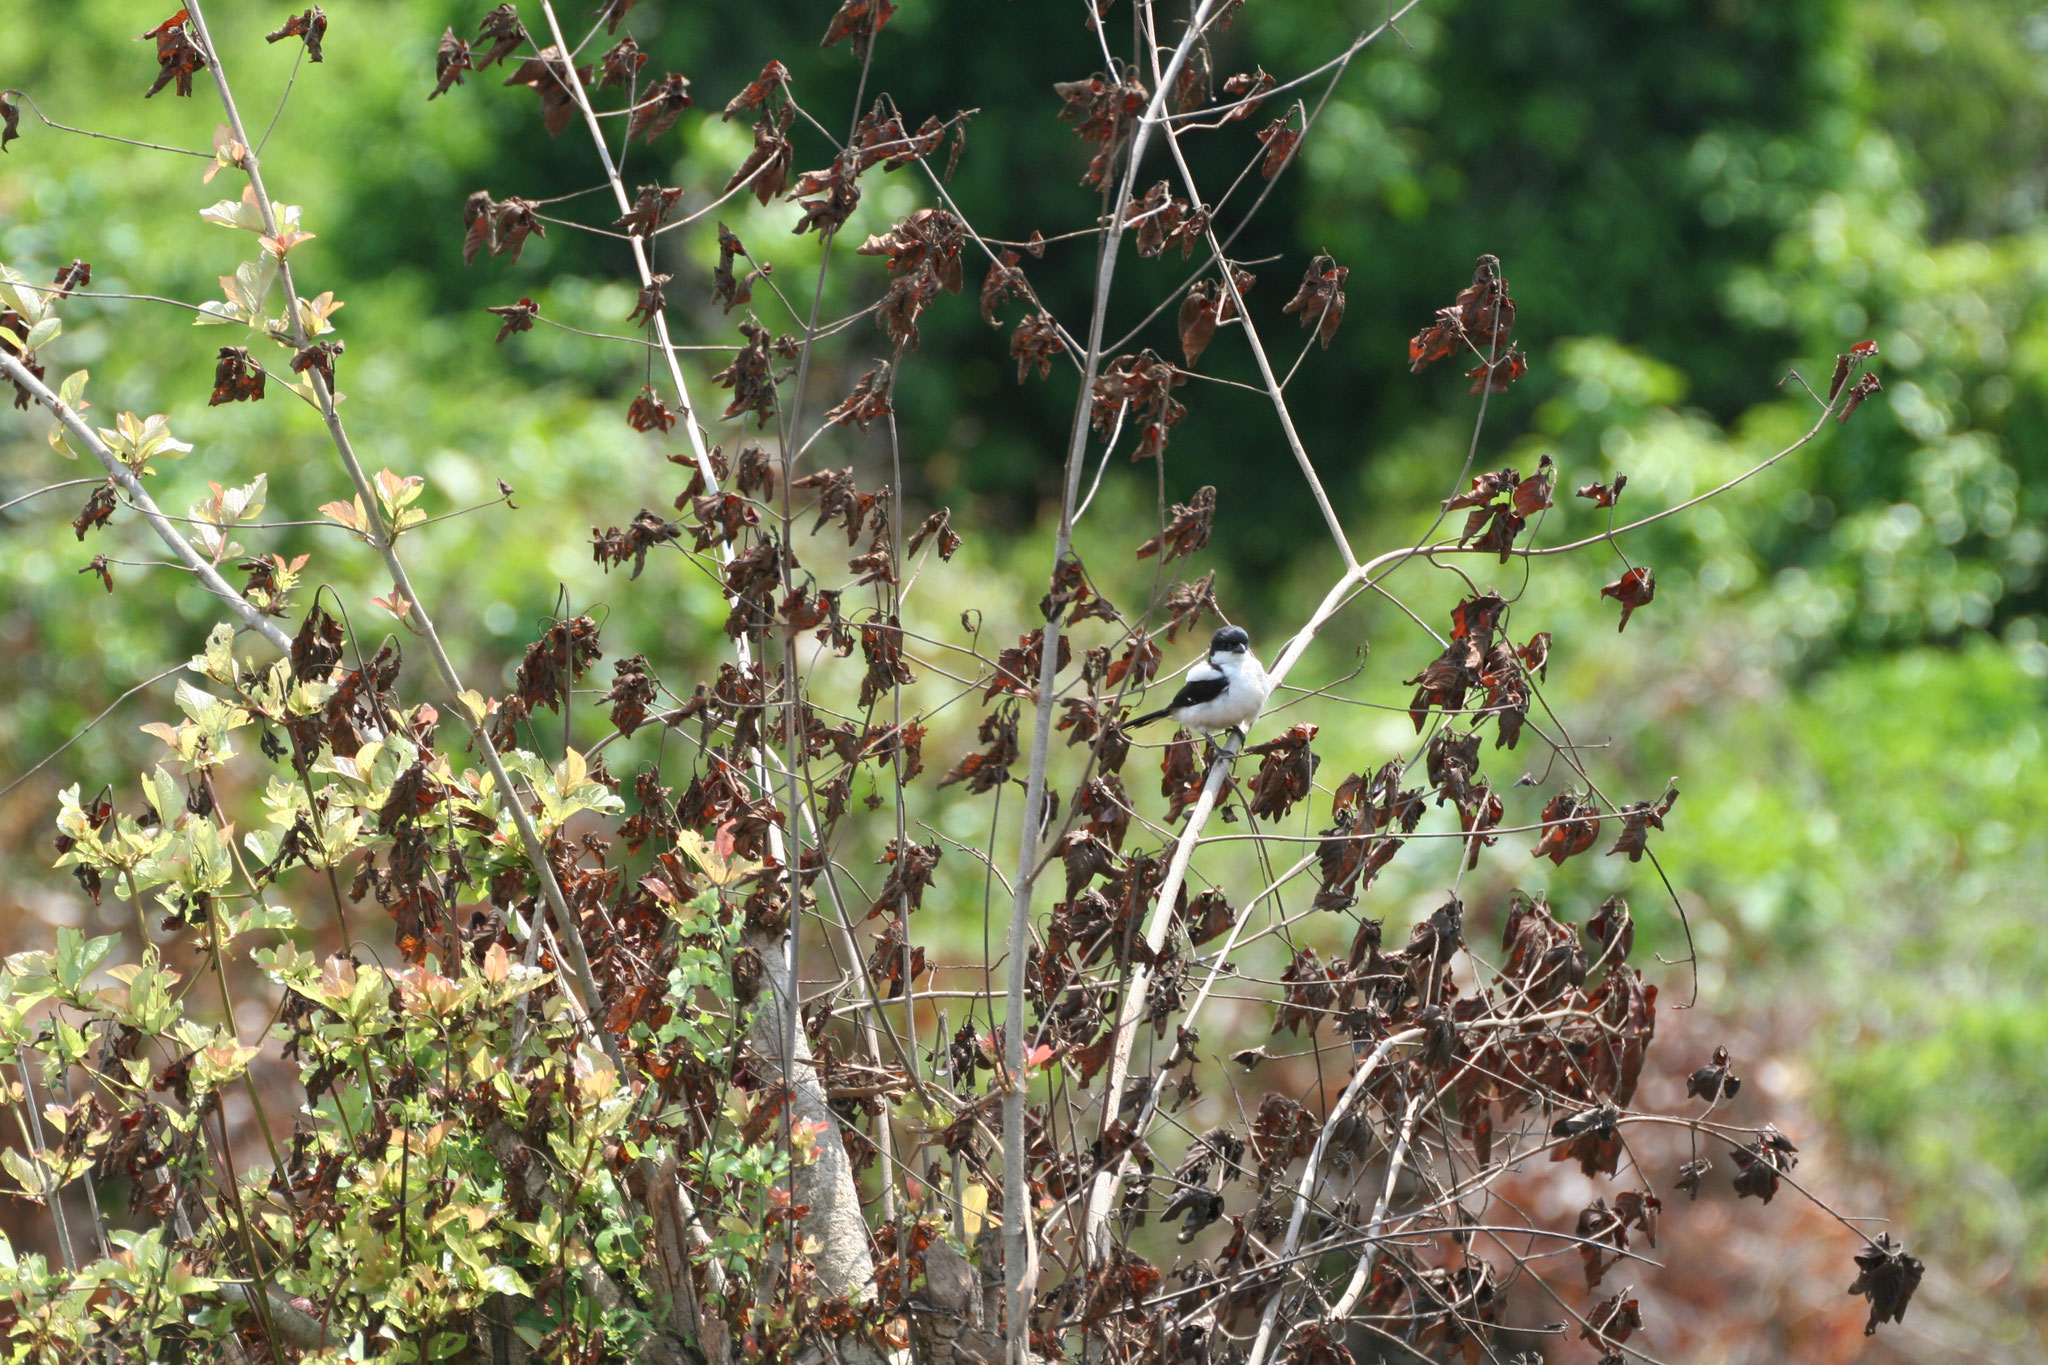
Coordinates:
[1230,640]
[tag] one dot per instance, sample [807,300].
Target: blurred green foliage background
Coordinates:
[1844,664]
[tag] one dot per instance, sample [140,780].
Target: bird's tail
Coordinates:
[1147,720]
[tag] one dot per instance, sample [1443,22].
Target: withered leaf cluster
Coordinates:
[549,75]
[651,205]
[99,507]
[1160,219]
[1003,281]
[1633,589]
[1208,305]
[868,401]
[1104,111]
[236,378]
[612,13]
[178,56]
[1287,772]
[1886,1276]
[1502,503]
[1605,494]
[766,169]
[938,528]
[319,359]
[1769,1155]
[1144,384]
[311,26]
[731,290]
[503,228]
[1280,138]
[924,258]
[1480,655]
[989,767]
[1035,342]
[1712,1082]
[648,413]
[1319,303]
[647,530]
[1479,321]
[658,112]
[753,389]
[518,317]
[621,65]
[856,23]
[1846,364]
[764,93]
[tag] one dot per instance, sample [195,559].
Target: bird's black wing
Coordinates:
[1195,691]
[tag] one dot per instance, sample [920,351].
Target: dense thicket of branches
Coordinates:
[662,1062]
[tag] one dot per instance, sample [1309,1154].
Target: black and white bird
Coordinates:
[1223,691]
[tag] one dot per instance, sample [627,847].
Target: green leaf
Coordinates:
[27,299]
[77,955]
[25,1172]
[218,662]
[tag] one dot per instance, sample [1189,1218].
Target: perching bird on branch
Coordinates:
[1222,692]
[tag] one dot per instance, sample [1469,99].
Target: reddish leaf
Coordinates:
[1320,300]
[1865,387]
[1249,90]
[479,218]
[99,507]
[1638,818]
[178,57]
[773,81]
[545,74]
[1759,1164]
[1532,495]
[1035,342]
[652,302]
[1605,494]
[767,166]
[1280,139]
[658,113]
[938,524]
[621,65]
[651,205]
[838,191]
[1286,773]
[518,317]
[1495,376]
[646,531]
[857,22]
[1197,322]
[1633,589]
[1571,824]
[503,28]
[450,62]
[748,378]
[1186,532]
[1003,281]
[236,378]
[648,412]
[511,223]
[1481,317]
[868,401]
[311,26]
